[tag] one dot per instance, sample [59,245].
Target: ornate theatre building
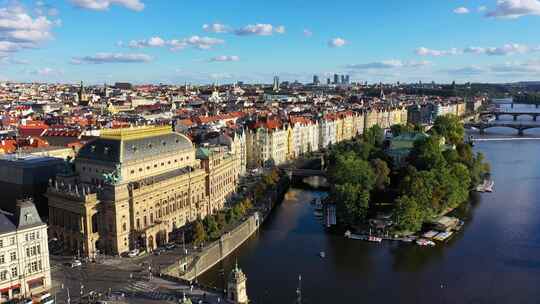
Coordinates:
[132,188]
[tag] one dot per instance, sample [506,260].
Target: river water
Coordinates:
[494,259]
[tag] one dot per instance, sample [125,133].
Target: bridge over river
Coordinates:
[514,115]
[520,127]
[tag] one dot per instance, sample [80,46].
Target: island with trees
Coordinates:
[413,177]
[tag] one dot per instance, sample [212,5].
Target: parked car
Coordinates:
[76,263]
[133,253]
[170,246]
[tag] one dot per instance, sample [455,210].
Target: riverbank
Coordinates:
[190,267]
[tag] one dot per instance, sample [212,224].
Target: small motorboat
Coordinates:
[374,239]
[425,242]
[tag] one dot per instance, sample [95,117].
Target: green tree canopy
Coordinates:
[374,136]
[450,127]
[382,173]
[352,203]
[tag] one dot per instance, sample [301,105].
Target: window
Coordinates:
[124,227]
[13,256]
[11,240]
[2,260]
[14,272]
[3,275]
[1,243]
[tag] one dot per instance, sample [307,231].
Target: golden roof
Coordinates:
[135,132]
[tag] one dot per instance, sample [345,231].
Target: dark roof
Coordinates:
[123,151]
[5,224]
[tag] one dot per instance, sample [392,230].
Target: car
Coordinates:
[170,246]
[133,253]
[75,263]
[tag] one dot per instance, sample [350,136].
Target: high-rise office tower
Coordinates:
[276,83]
[316,80]
[336,79]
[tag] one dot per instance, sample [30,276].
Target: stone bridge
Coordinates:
[515,115]
[304,172]
[482,126]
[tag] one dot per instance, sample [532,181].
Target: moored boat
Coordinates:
[425,242]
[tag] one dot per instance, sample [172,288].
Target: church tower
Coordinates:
[83,98]
[236,288]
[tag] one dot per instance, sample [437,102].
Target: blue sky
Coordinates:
[152,41]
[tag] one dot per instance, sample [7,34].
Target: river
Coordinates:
[494,259]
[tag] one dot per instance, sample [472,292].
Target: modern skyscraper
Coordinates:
[343,79]
[276,83]
[316,80]
[328,81]
[336,79]
[347,79]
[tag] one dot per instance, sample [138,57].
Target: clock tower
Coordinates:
[236,288]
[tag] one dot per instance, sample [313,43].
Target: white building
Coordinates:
[24,253]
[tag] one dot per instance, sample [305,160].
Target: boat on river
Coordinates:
[369,238]
[425,242]
[318,204]
[486,186]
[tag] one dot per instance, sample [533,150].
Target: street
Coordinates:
[127,280]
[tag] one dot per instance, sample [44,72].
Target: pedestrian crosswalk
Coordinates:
[140,286]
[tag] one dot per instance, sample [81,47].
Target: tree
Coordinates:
[382,172]
[199,234]
[374,136]
[427,153]
[221,220]
[450,128]
[349,168]
[352,203]
[407,215]
[211,227]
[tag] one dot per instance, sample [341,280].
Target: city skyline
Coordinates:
[103,41]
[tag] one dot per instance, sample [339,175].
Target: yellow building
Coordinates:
[132,188]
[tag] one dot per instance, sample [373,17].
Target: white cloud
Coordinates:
[461,10]
[515,8]
[423,51]
[388,64]
[482,8]
[100,58]
[337,42]
[469,70]
[224,58]
[260,29]
[308,33]
[7,60]
[47,72]
[19,29]
[507,49]
[101,5]
[203,43]
[216,28]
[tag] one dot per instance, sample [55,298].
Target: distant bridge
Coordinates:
[515,115]
[304,172]
[482,126]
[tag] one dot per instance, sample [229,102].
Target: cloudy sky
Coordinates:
[177,41]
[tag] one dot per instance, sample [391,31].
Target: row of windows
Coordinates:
[34,266]
[156,165]
[32,236]
[4,274]
[10,242]
[33,251]
[12,257]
